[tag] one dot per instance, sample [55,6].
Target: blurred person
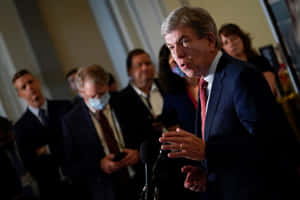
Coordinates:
[143,99]
[238,44]
[95,141]
[245,149]
[181,92]
[179,109]
[70,77]
[39,135]
[15,182]
[112,83]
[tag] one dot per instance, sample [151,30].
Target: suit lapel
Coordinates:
[215,95]
[139,103]
[31,119]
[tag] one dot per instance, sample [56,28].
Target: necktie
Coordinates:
[122,175]
[43,116]
[203,99]
[108,133]
[148,101]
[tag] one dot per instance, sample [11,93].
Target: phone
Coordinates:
[119,156]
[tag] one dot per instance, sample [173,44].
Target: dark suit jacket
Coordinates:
[83,150]
[250,152]
[31,135]
[139,124]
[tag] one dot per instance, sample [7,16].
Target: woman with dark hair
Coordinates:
[181,92]
[237,44]
[179,110]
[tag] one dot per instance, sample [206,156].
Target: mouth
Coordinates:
[184,66]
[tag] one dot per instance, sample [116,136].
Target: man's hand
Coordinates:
[131,158]
[109,166]
[42,150]
[183,144]
[196,178]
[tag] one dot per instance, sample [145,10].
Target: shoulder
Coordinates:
[127,93]
[261,63]
[233,66]
[78,111]
[128,89]
[25,117]
[60,102]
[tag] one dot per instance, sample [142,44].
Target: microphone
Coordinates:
[146,156]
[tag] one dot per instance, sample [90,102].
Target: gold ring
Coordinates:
[180,147]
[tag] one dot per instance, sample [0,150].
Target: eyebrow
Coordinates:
[179,40]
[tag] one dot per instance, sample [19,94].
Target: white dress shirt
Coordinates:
[209,77]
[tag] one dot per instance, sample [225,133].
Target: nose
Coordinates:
[144,66]
[178,52]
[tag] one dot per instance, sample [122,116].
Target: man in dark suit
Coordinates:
[142,98]
[38,135]
[245,149]
[98,158]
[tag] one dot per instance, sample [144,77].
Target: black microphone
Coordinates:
[146,156]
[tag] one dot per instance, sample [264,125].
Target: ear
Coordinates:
[129,72]
[212,40]
[18,93]
[81,92]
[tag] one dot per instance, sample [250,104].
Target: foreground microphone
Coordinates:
[146,155]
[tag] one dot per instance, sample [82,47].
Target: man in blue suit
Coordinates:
[39,135]
[241,142]
[97,156]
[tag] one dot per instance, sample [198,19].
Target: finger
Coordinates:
[173,139]
[170,147]
[171,134]
[110,156]
[199,188]
[193,187]
[179,154]
[186,168]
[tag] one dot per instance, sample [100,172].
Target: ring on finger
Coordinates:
[180,147]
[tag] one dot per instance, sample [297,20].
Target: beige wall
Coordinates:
[74,33]
[248,14]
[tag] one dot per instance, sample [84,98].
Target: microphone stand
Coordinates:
[148,190]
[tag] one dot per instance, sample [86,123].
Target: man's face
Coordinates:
[29,89]
[193,55]
[93,90]
[141,71]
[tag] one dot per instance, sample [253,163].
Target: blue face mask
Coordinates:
[99,103]
[176,70]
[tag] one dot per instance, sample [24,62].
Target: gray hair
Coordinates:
[94,73]
[196,18]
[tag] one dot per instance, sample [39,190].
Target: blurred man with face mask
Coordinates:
[97,154]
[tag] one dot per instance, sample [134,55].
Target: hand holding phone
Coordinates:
[119,156]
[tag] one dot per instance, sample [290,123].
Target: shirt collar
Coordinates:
[143,94]
[212,69]
[35,111]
